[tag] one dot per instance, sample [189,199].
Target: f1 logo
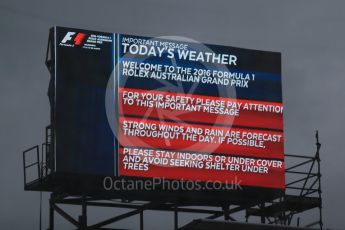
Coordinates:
[78,40]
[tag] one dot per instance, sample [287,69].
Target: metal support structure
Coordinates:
[138,209]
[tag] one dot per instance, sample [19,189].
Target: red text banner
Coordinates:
[203,109]
[201,167]
[201,138]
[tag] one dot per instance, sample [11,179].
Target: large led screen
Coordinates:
[167,107]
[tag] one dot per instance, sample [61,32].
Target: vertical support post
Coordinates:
[83,217]
[290,218]
[282,214]
[226,212]
[51,213]
[318,146]
[175,218]
[142,220]
[38,163]
[262,206]
[40,210]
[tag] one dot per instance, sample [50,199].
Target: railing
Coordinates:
[306,185]
[33,151]
[302,191]
[42,160]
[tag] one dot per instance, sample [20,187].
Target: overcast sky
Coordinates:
[310,35]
